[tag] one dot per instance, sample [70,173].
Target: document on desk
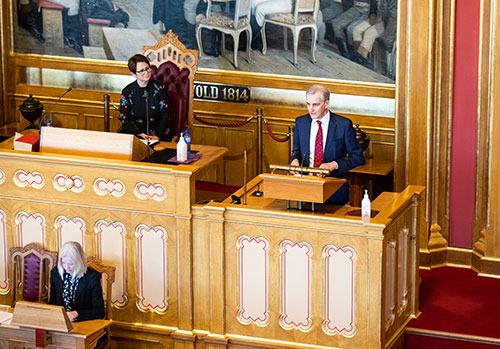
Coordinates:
[5,317]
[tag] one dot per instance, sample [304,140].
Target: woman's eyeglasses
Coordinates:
[145,70]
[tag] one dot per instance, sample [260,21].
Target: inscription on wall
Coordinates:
[238,94]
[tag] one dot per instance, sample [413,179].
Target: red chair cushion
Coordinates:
[98,21]
[177,83]
[31,278]
[48,4]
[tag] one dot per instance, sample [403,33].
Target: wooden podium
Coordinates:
[92,143]
[305,188]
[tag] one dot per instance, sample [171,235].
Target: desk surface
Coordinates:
[375,167]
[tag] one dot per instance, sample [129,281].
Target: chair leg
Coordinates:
[295,35]
[285,38]
[198,41]
[313,44]
[236,42]
[264,41]
[249,40]
[223,45]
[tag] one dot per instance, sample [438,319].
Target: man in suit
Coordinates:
[326,140]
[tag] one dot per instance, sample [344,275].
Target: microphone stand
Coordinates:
[53,106]
[44,116]
[147,118]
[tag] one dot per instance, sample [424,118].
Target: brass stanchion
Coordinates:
[259,140]
[106,112]
[291,134]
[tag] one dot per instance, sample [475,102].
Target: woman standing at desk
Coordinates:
[144,99]
[75,286]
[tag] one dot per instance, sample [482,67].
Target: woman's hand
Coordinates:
[72,315]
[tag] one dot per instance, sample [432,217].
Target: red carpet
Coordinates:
[459,301]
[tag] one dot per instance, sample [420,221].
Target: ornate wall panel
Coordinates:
[295,285]
[4,277]
[340,271]
[152,278]
[253,280]
[70,229]
[30,228]
[111,249]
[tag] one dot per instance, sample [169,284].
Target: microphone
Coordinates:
[44,116]
[306,155]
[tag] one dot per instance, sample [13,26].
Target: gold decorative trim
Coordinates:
[462,258]
[455,336]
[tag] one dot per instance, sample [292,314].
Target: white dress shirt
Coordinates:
[325,120]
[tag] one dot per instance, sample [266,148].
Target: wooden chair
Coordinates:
[227,23]
[109,271]
[30,272]
[304,15]
[175,66]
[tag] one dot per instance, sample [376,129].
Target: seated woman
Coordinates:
[75,286]
[144,99]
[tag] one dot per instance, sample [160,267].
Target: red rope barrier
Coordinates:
[273,136]
[219,124]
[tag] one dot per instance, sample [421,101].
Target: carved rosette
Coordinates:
[73,183]
[111,246]
[114,187]
[70,229]
[152,278]
[295,285]
[29,179]
[4,278]
[145,191]
[2,177]
[253,276]
[339,290]
[30,228]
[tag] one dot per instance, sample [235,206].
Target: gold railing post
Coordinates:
[259,140]
[106,112]
[291,134]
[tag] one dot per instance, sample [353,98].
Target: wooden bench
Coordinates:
[95,30]
[52,22]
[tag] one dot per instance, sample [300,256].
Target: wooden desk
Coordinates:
[122,43]
[269,276]
[135,216]
[375,175]
[85,334]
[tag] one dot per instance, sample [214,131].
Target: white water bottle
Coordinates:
[181,149]
[366,208]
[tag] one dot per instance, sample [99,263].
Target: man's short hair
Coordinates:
[132,62]
[321,89]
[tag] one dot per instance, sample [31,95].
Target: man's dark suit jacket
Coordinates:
[88,301]
[341,146]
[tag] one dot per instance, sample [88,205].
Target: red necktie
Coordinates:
[318,147]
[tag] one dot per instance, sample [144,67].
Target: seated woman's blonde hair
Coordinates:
[74,251]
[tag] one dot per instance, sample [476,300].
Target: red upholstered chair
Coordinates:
[175,65]
[30,272]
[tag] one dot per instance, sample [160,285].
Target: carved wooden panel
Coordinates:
[4,277]
[111,243]
[152,278]
[70,229]
[30,228]
[295,285]
[340,271]
[253,280]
